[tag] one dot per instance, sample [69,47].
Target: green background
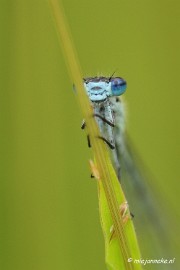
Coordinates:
[48,204]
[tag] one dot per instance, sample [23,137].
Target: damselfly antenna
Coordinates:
[112,75]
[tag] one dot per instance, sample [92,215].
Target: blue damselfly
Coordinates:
[104,95]
[109,113]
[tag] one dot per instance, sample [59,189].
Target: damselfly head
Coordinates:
[97,88]
[100,88]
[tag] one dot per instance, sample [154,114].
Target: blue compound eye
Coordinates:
[118,86]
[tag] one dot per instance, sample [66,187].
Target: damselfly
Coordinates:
[109,113]
[104,93]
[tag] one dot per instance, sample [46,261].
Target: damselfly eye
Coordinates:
[118,86]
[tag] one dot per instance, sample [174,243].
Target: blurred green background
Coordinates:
[48,204]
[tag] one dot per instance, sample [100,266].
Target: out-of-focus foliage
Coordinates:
[49,216]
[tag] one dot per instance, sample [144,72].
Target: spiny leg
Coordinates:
[88,140]
[106,141]
[104,119]
[83,125]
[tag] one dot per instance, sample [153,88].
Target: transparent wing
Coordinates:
[146,203]
[144,200]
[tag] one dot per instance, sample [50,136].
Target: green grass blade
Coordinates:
[113,255]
